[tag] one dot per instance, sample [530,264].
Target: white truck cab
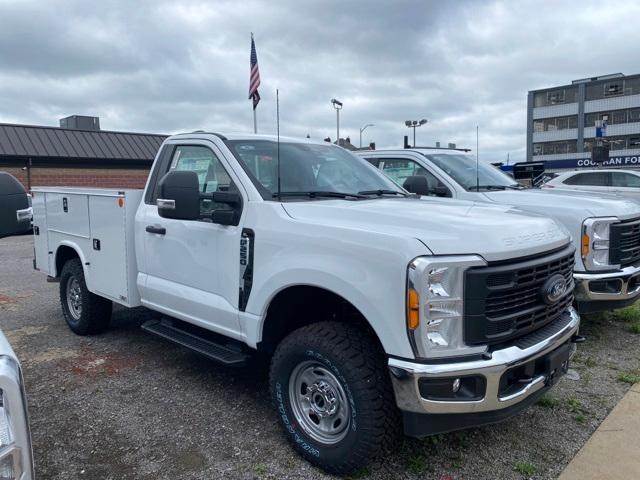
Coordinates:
[374,305]
[605,229]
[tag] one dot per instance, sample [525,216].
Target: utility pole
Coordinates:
[363,129]
[337,104]
[415,124]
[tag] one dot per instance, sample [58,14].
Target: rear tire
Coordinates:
[331,388]
[84,312]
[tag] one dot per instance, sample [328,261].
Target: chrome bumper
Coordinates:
[621,285]
[406,385]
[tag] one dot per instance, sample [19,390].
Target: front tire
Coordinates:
[84,312]
[331,388]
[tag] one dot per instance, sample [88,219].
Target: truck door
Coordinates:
[191,267]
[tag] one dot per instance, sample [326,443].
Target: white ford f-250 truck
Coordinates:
[605,230]
[16,458]
[372,302]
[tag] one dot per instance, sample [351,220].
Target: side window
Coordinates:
[212,176]
[372,161]
[597,179]
[624,179]
[399,169]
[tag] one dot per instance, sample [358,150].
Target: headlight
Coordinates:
[595,243]
[16,462]
[435,305]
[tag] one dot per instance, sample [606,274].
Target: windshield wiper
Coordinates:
[382,192]
[487,187]
[318,193]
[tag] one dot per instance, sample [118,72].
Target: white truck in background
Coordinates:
[374,305]
[605,229]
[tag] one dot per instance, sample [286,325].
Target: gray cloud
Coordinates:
[169,66]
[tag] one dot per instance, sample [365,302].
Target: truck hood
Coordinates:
[445,227]
[591,204]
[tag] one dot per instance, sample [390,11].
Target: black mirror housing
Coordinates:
[417,184]
[179,195]
[442,191]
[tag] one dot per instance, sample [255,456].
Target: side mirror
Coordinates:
[179,195]
[442,191]
[227,216]
[417,184]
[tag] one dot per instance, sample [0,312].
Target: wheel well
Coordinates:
[302,305]
[63,255]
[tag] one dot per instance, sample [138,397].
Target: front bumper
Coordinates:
[604,291]
[406,377]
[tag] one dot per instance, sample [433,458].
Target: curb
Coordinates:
[612,451]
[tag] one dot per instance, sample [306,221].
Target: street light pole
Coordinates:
[363,129]
[415,124]
[337,104]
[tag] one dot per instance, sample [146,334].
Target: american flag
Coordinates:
[254,76]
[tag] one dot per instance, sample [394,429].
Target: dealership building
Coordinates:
[77,154]
[561,122]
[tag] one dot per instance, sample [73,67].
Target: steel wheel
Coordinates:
[74,297]
[319,403]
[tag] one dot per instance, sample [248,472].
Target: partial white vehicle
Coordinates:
[16,458]
[378,309]
[605,231]
[625,183]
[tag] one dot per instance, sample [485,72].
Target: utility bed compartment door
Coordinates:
[108,254]
[41,233]
[68,213]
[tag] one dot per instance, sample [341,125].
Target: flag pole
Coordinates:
[255,122]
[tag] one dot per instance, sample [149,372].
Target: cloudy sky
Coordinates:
[164,67]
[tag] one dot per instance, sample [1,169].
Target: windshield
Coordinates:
[309,170]
[462,168]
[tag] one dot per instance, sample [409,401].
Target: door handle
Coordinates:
[156,229]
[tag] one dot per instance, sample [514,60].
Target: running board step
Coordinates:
[212,350]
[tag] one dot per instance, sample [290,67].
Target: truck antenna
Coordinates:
[477,160]
[278,139]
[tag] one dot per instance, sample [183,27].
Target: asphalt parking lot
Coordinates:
[127,405]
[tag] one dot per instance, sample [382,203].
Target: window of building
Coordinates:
[617,143]
[537,149]
[554,97]
[618,116]
[612,89]
[634,142]
[588,178]
[538,126]
[562,123]
[634,115]
[573,121]
[624,179]
[590,119]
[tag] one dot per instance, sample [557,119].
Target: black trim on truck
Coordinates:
[247,240]
[508,301]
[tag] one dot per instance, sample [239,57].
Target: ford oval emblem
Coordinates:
[554,289]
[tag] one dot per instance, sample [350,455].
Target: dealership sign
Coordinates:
[618,161]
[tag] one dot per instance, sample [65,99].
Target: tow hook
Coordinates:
[578,339]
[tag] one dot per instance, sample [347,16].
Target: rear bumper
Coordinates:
[604,291]
[495,402]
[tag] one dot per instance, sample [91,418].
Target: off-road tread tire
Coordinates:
[362,363]
[96,310]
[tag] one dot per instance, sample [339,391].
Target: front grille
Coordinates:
[624,244]
[505,301]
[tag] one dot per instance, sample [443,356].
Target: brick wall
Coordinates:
[81,177]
